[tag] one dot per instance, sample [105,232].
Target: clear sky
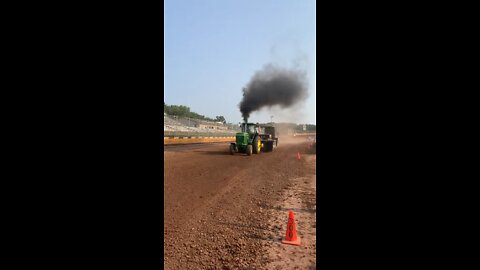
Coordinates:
[213,47]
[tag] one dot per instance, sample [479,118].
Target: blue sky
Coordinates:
[213,47]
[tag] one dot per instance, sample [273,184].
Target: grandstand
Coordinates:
[174,124]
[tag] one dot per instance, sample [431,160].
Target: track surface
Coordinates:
[215,203]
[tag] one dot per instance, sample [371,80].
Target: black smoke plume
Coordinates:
[273,86]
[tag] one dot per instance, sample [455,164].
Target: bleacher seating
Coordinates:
[193,125]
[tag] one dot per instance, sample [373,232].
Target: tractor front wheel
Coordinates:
[232,149]
[249,150]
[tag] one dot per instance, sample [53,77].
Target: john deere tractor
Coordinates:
[253,139]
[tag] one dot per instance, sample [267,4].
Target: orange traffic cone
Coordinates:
[298,155]
[291,237]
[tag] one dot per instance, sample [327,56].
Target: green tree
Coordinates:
[184,111]
[220,119]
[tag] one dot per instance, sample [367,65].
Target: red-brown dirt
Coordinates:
[218,208]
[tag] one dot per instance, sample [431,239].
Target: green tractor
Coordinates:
[254,138]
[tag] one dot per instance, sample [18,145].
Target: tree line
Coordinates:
[184,111]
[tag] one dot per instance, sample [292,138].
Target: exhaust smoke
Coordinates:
[273,86]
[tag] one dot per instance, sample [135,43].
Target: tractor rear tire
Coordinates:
[232,149]
[249,150]
[256,145]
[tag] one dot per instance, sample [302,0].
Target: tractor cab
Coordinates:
[249,128]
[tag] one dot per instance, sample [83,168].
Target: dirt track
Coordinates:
[226,212]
